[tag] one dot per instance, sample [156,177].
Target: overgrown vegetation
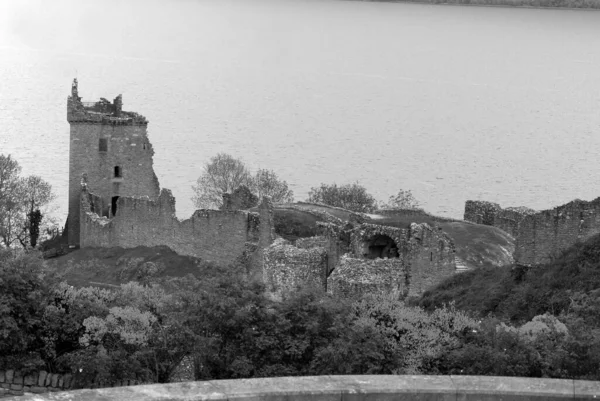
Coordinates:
[542,322]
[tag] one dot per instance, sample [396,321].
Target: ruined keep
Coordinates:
[115,198]
[491,214]
[111,148]
[544,235]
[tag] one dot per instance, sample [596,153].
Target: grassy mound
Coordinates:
[113,266]
[519,293]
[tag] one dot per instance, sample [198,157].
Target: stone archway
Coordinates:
[380,246]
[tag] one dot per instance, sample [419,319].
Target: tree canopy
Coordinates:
[225,174]
[349,196]
[404,199]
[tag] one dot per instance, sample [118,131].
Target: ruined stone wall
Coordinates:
[426,257]
[354,277]
[287,267]
[481,212]
[544,235]
[14,382]
[312,242]
[430,259]
[99,143]
[491,214]
[212,235]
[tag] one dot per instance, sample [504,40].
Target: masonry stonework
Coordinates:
[544,235]
[491,214]
[111,148]
[354,258]
[212,235]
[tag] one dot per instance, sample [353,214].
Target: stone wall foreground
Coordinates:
[345,388]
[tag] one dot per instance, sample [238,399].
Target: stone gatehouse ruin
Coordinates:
[115,201]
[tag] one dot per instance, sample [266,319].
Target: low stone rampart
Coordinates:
[346,388]
[15,383]
[212,235]
[544,235]
[491,214]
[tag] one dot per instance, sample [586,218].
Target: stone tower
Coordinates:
[110,147]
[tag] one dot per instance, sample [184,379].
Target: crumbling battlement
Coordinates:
[100,112]
[212,235]
[491,214]
[544,235]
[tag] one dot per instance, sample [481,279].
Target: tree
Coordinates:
[19,200]
[11,228]
[350,196]
[268,183]
[404,199]
[222,174]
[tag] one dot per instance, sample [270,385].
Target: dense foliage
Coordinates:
[349,196]
[534,324]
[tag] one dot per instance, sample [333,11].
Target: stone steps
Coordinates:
[460,265]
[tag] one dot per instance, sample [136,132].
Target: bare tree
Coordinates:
[222,174]
[268,183]
[20,198]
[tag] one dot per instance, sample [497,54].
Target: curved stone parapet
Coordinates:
[344,388]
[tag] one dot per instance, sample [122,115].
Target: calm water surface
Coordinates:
[454,103]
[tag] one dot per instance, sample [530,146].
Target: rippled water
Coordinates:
[454,103]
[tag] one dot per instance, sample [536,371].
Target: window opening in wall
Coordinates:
[114,205]
[431,256]
[117,172]
[103,145]
[381,246]
[144,146]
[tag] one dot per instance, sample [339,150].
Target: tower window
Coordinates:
[117,172]
[103,145]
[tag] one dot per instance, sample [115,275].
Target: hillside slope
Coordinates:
[518,294]
[106,267]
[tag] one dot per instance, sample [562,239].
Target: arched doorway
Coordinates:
[381,246]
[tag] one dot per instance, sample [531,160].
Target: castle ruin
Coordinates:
[115,201]
[115,197]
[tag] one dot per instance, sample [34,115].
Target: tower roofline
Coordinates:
[101,111]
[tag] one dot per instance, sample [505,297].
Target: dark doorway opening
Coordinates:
[382,246]
[117,172]
[114,205]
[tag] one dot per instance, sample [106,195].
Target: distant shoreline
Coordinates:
[537,4]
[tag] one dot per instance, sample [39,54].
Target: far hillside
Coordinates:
[518,293]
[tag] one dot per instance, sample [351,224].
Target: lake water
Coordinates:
[454,103]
